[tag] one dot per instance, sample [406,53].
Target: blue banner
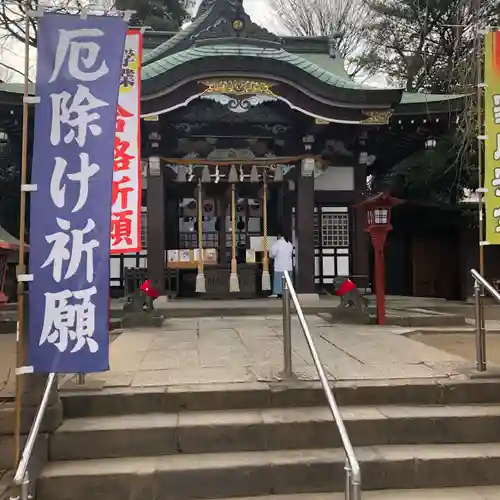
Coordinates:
[79,62]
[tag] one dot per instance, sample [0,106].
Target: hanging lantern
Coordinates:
[430,143]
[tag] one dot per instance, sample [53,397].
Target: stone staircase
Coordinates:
[257,440]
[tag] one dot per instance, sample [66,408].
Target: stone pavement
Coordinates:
[479,493]
[250,349]
[461,343]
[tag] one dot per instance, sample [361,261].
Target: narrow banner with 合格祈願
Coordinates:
[127,175]
[492,132]
[78,74]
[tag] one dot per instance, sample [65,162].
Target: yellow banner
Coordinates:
[492,132]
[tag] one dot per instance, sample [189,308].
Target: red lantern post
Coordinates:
[378,223]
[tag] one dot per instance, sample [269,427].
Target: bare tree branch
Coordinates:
[345,19]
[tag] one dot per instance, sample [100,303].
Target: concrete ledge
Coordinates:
[213,311]
[233,475]
[120,401]
[161,302]
[491,373]
[308,298]
[142,319]
[90,385]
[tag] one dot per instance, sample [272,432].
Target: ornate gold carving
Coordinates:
[377,117]
[238,87]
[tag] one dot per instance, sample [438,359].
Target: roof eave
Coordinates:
[448,105]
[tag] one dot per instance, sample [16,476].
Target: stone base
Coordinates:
[52,420]
[350,316]
[141,319]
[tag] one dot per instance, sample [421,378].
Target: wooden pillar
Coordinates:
[305,233]
[360,243]
[156,225]
[286,209]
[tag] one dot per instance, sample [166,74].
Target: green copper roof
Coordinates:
[334,66]
[167,63]
[422,98]
[16,88]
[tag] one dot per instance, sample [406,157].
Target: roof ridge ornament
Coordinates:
[227,19]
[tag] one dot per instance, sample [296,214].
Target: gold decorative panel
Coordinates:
[377,117]
[238,87]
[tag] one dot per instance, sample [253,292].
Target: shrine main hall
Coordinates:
[245,135]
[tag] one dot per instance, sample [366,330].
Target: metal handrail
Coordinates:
[493,291]
[21,477]
[352,468]
[479,283]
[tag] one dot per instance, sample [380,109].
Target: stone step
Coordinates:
[271,429]
[123,401]
[230,309]
[222,475]
[477,493]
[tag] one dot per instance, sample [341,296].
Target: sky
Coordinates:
[12,53]
[260,12]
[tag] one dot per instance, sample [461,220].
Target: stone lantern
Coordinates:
[378,210]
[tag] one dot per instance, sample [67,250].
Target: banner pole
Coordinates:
[21,269]
[480,127]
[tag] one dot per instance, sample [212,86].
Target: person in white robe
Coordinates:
[282,254]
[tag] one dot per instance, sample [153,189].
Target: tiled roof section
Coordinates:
[333,65]
[16,88]
[167,63]
[166,46]
[422,98]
